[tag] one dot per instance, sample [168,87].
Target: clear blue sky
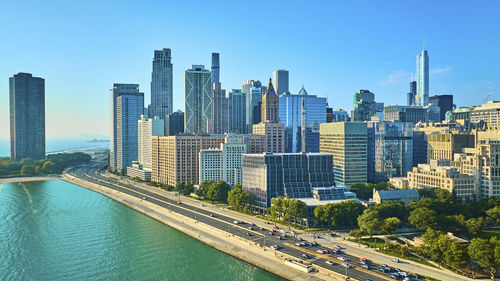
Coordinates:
[82,47]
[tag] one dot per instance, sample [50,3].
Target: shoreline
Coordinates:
[239,248]
[27,179]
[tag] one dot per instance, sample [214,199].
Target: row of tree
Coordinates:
[240,200]
[213,191]
[286,210]
[52,164]
[181,187]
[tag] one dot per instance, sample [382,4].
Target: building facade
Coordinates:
[445,145]
[347,142]
[215,68]
[127,105]
[363,106]
[237,111]
[198,100]
[219,109]
[411,95]
[146,128]
[280,78]
[176,158]
[174,123]
[292,175]
[161,84]
[422,96]
[444,102]
[27,117]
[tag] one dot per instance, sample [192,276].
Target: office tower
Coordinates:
[422,96]
[237,111]
[219,111]
[419,148]
[347,142]
[198,100]
[300,109]
[146,128]
[253,92]
[176,158]
[413,92]
[27,117]
[292,175]
[223,163]
[329,114]
[174,123]
[161,84]
[444,102]
[127,104]
[412,114]
[215,68]
[269,125]
[363,106]
[280,78]
[390,150]
[445,145]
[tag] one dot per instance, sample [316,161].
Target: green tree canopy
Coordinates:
[390,224]
[28,170]
[423,218]
[486,253]
[370,222]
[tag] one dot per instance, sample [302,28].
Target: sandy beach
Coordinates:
[25,179]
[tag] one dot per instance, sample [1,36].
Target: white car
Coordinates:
[344,264]
[329,262]
[341,258]
[275,247]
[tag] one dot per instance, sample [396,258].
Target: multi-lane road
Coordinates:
[264,236]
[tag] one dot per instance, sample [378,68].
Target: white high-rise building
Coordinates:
[198,100]
[422,96]
[146,128]
[223,163]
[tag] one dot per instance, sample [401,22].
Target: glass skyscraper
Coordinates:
[27,117]
[364,106]
[127,105]
[237,110]
[161,84]
[301,115]
[215,67]
[198,100]
[422,97]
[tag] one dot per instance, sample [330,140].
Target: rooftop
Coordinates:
[397,194]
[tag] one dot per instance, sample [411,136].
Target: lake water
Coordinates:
[54,230]
[57,145]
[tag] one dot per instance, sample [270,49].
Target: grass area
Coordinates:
[429,278]
[373,242]
[408,256]
[490,233]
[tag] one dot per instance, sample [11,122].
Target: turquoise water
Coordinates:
[53,145]
[53,230]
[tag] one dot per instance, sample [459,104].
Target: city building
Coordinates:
[399,182]
[410,100]
[219,109]
[338,115]
[405,196]
[127,105]
[161,84]
[363,106]
[270,126]
[298,110]
[379,111]
[223,163]
[439,174]
[27,116]
[215,68]
[422,96]
[176,158]
[237,111]
[444,102]
[347,142]
[198,100]
[255,143]
[292,175]
[412,114]
[280,78]
[146,128]
[445,145]
[137,170]
[253,93]
[419,148]
[174,123]
[489,113]
[390,150]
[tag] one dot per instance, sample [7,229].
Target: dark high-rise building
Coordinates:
[215,67]
[237,111]
[27,117]
[444,102]
[174,123]
[329,114]
[363,106]
[218,108]
[412,93]
[161,84]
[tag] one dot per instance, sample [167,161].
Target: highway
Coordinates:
[263,236]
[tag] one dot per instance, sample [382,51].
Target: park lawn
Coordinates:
[408,256]
[487,234]
[371,242]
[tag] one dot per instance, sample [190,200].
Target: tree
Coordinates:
[494,213]
[390,209]
[27,170]
[297,209]
[218,191]
[203,188]
[389,225]
[240,200]
[474,227]
[48,167]
[486,253]
[456,255]
[276,208]
[27,161]
[342,214]
[423,218]
[370,222]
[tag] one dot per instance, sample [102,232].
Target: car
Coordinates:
[278,237]
[203,205]
[300,239]
[365,266]
[143,198]
[250,228]
[253,224]
[393,276]
[382,270]
[414,275]
[362,260]
[402,273]
[212,215]
[271,233]
[306,256]
[329,262]
[395,260]
[314,244]
[266,222]
[406,279]
[275,247]
[298,244]
[261,228]
[236,222]
[383,265]
[344,264]
[249,234]
[341,258]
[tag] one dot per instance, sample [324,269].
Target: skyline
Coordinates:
[330,59]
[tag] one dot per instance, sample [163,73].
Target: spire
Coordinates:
[424,43]
[303,91]
[270,88]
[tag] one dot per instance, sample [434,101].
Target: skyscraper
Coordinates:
[215,67]
[422,97]
[27,116]
[363,106]
[174,123]
[413,92]
[237,111]
[219,108]
[127,105]
[444,102]
[253,92]
[280,78]
[146,128]
[198,100]
[161,84]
